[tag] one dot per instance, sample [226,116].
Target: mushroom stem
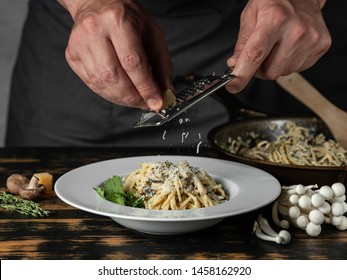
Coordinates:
[261,235]
[33,184]
[264,225]
[280,223]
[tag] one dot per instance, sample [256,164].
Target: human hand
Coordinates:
[118,50]
[277,38]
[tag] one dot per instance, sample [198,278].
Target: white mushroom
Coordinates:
[340,199]
[308,207]
[280,223]
[302,221]
[294,199]
[327,192]
[305,202]
[294,212]
[261,235]
[289,189]
[336,220]
[283,210]
[344,206]
[317,200]
[343,224]
[338,189]
[280,238]
[300,189]
[264,225]
[285,235]
[315,216]
[313,229]
[325,208]
[337,209]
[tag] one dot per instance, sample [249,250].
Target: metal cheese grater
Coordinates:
[186,99]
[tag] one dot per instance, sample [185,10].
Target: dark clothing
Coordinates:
[51,106]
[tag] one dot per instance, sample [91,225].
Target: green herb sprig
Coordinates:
[26,207]
[113,191]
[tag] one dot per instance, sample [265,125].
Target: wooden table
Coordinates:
[69,233]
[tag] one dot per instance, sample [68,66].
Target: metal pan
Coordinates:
[286,174]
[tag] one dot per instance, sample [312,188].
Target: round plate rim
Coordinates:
[129,213]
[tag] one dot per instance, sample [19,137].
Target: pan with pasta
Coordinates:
[291,149]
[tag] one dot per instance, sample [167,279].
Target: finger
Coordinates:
[108,74]
[256,38]
[131,55]
[243,36]
[159,57]
[96,64]
[254,52]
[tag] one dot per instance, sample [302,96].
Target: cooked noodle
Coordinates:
[297,146]
[170,186]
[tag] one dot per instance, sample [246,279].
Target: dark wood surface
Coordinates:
[69,233]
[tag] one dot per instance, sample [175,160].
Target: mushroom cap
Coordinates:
[294,212]
[15,182]
[327,192]
[338,189]
[343,224]
[313,229]
[315,216]
[305,201]
[300,189]
[285,235]
[317,200]
[302,221]
[337,209]
[32,194]
[325,208]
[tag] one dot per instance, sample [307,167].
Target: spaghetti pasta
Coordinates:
[297,146]
[169,186]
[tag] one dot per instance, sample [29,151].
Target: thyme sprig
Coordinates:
[26,207]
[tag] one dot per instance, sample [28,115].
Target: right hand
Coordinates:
[277,38]
[118,50]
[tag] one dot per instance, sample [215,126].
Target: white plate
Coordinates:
[249,189]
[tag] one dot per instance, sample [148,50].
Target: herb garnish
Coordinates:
[23,206]
[113,191]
